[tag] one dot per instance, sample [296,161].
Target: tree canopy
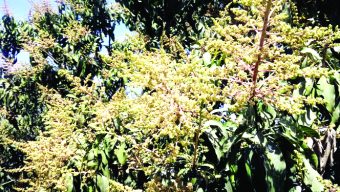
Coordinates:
[208,96]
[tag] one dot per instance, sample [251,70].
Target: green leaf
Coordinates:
[214,140]
[103,183]
[326,90]
[183,171]
[69,182]
[248,170]
[309,131]
[308,86]
[104,158]
[210,166]
[304,62]
[289,131]
[92,154]
[314,160]
[92,164]
[311,177]
[218,124]
[271,111]
[308,118]
[106,170]
[248,164]
[229,185]
[206,58]
[295,189]
[121,154]
[336,114]
[275,168]
[268,114]
[337,49]
[336,76]
[312,54]
[222,145]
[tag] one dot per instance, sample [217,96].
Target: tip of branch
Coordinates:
[5,8]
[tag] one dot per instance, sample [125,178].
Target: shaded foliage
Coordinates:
[319,12]
[158,18]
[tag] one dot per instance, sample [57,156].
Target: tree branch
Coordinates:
[262,39]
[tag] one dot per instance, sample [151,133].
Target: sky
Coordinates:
[20,9]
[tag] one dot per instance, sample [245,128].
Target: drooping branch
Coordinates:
[262,40]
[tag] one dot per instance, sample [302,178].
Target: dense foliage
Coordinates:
[164,18]
[158,19]
[318,12]
[252,104]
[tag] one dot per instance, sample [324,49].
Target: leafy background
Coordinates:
[178,106]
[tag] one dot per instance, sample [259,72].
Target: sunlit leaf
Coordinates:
[206,58]
[312,54]
[326,90]
[312,178]
[69,180]
[103,183]
[121,154]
